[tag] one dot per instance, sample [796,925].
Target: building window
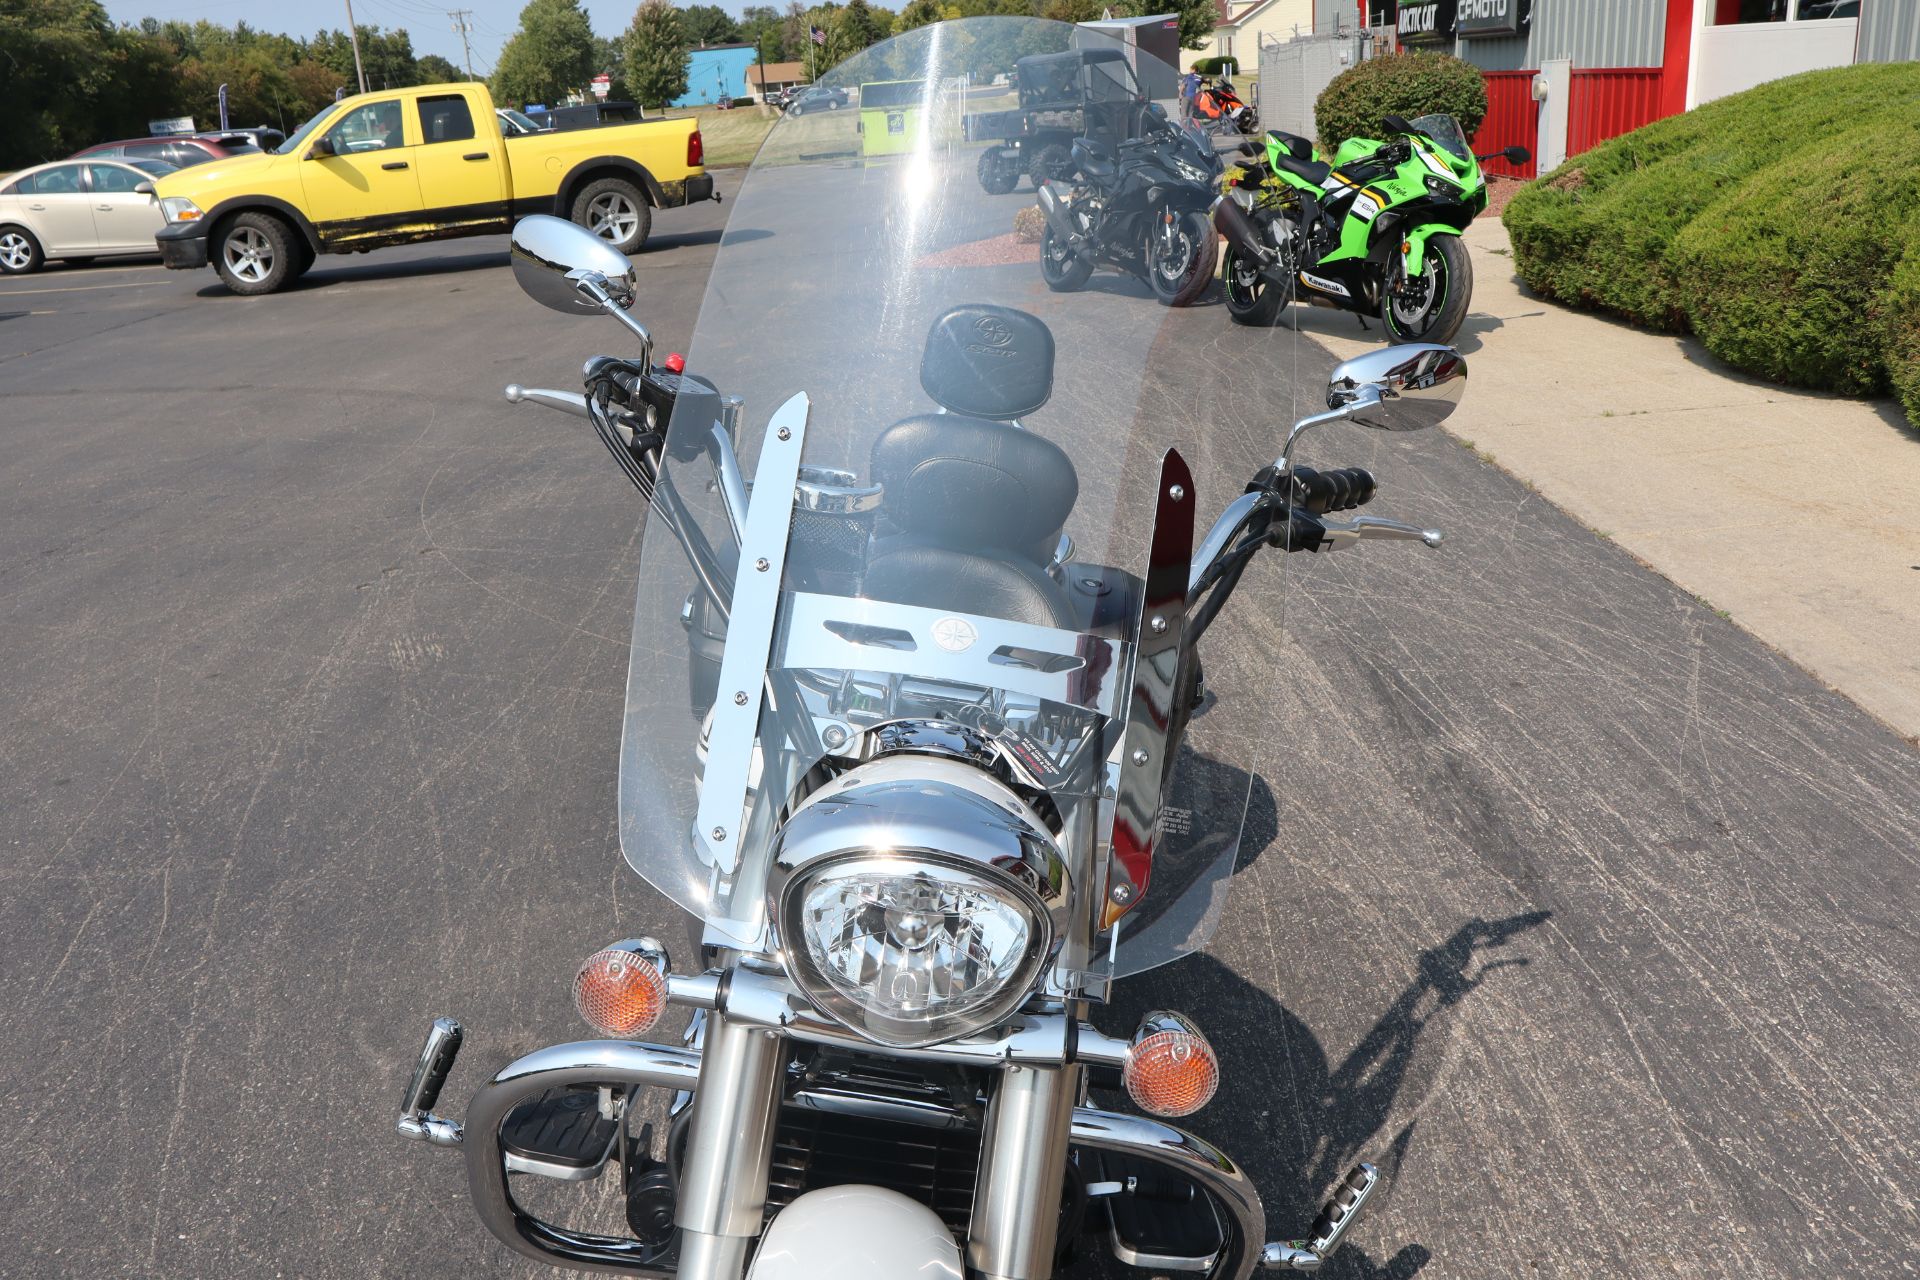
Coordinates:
[1728,13]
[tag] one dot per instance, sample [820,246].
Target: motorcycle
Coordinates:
[1140,206]
[1217,108]
[1377,232]
[925,755]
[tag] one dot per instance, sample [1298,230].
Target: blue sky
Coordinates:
[425,20]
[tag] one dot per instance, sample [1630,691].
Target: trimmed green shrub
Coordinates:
[1900,332]
[1218,66]
[1407,84]
[1775,224]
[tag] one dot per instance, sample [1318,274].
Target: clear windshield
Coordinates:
[977,479]
[1445,130]
[293,143]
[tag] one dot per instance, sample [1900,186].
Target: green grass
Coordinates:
[729,137]
[1778,225]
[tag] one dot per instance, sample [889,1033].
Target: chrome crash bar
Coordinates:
[722,1195]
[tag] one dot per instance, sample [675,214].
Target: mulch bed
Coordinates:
[999,251]
[1499,191]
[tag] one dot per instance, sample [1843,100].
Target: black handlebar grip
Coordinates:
[628,382]
[1340,490]
[436,1060]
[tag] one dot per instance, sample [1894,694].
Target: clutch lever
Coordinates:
[1341,533]
[566,401]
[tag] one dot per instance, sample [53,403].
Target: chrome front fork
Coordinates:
[723,1184]
[1023,1164]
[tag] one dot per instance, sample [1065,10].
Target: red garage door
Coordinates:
[1513,119]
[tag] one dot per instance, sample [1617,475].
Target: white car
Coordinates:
[78,209]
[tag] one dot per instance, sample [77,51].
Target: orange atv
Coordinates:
[1217,108]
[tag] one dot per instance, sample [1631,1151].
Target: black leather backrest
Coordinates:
[988,362]
[972,484]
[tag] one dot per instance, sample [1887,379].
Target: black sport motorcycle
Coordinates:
[1140,206]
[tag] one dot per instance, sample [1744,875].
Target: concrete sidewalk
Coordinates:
[1795,513]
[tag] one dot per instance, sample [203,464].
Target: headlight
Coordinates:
[1442,188]
[917,899]
[1191,172]
[180,209]
[912,952]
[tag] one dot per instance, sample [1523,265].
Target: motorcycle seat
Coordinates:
[1314,171]
[971,484]
[1292,144]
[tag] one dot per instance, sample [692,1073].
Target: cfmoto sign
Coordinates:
[1490,17]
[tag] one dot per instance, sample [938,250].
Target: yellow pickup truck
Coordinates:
[427,163]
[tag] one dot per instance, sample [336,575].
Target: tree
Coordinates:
[550,56]
[860,27]
[314,84]
[434,69]
[709,24]
[760,26]
[920,13]
[657,59]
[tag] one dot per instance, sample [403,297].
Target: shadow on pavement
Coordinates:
[1296,1122]
[321,276]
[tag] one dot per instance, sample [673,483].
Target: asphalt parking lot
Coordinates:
[1587,916]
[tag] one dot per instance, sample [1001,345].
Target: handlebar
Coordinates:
[1339,490]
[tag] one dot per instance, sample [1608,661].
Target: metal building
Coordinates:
[1564,75]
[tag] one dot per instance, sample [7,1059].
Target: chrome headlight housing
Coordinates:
[179,209]
[917,899]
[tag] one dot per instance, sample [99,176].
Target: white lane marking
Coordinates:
[81,288]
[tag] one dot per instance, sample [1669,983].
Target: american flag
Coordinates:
[819,36]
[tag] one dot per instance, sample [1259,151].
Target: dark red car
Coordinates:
[181,151]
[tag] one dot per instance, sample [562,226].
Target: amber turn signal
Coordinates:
[622,991]
[1171,1069]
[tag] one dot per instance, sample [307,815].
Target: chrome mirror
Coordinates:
[1400,388]
[564,266]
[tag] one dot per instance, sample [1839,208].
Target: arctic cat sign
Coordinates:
[1438,21]
[1489,17]
[1425,20]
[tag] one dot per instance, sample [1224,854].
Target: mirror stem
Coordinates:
[1307,424]
[594,286]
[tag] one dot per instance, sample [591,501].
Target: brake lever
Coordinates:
[1341,533]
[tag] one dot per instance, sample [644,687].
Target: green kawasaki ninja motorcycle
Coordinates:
[1377,232]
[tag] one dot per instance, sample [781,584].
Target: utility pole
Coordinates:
[462,22]
[353,34]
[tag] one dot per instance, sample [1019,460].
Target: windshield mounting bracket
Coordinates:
[743,665]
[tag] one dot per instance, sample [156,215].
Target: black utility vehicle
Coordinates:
[1083,93]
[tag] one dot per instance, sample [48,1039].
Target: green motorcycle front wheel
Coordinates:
[1431,307]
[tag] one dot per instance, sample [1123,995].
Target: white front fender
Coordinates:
[857,1233]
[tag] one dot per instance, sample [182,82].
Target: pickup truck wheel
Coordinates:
[19,251]
[614,210]
[254,254]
